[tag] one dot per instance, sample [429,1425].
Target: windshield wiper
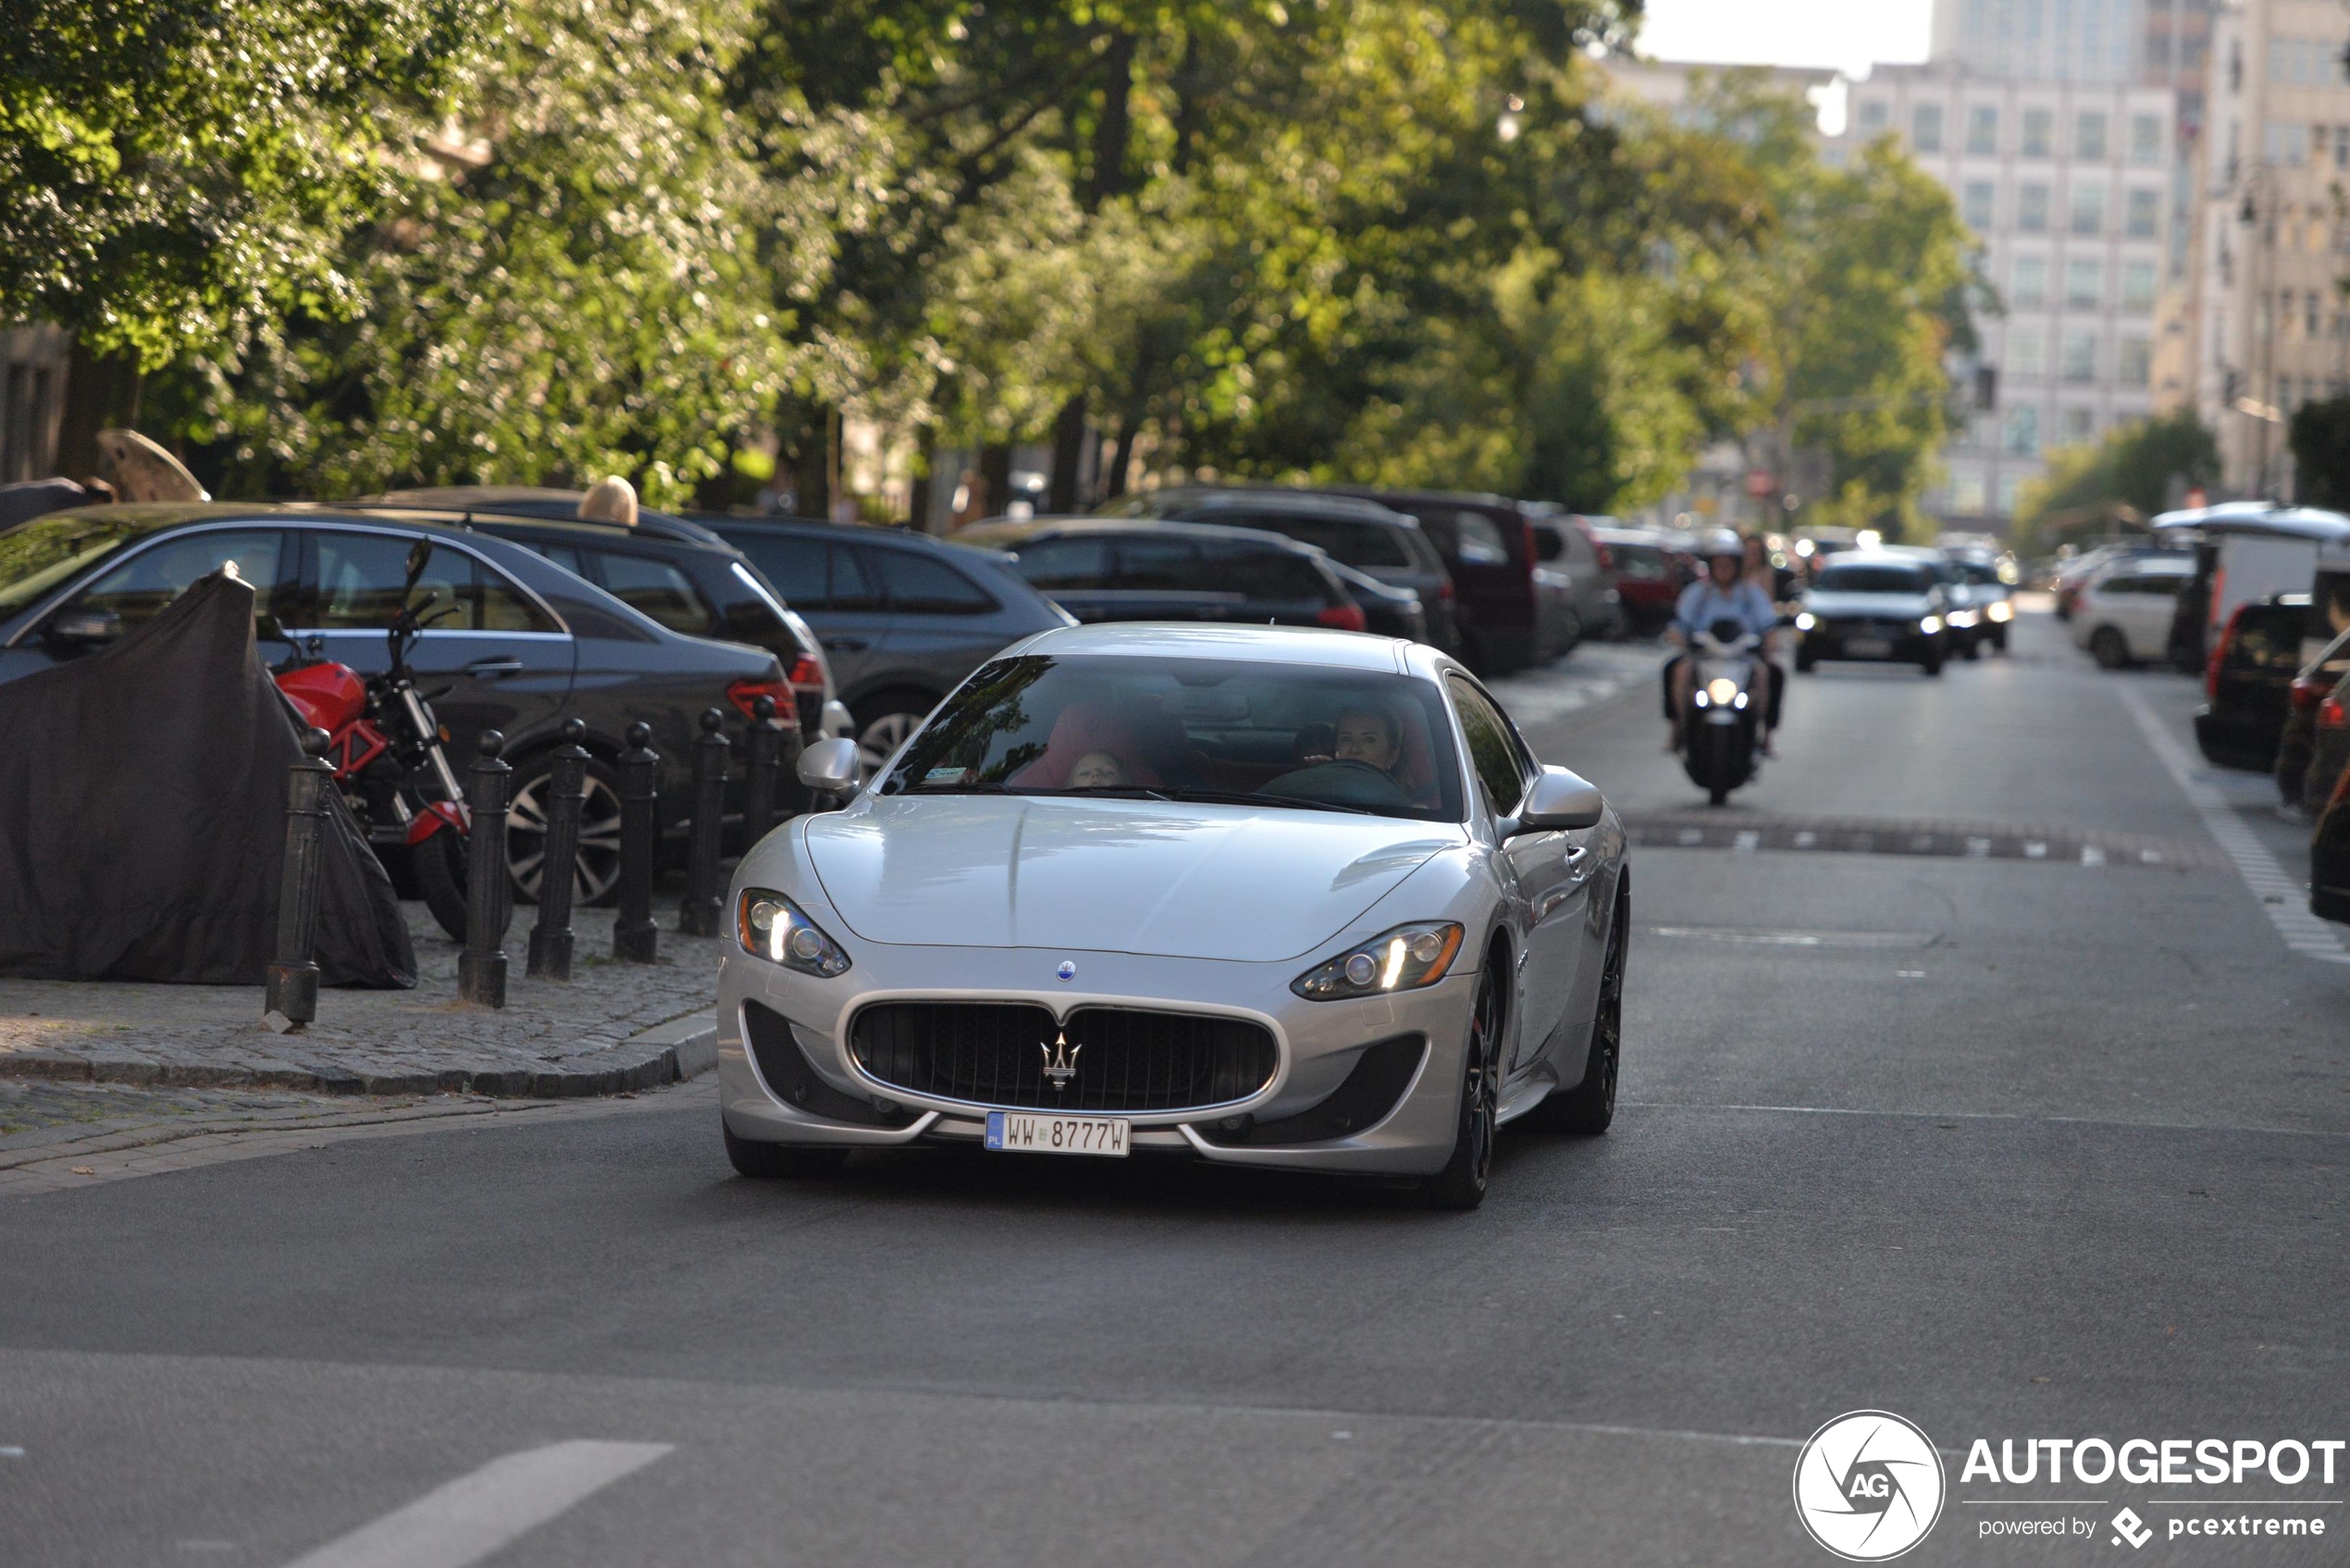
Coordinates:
[1253,797]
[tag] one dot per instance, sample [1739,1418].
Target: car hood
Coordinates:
[1125,876]
[1832,606]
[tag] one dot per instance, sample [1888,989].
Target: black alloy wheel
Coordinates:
[770,1162]
[595,879]
[1590,1107]
[1461,1184]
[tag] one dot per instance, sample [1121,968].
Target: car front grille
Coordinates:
[1106,1059]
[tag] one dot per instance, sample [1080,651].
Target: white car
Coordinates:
[1257,896]
[2123,614]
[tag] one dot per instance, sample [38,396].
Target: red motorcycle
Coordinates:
[386,749]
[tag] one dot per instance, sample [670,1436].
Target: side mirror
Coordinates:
[1560,799]
[832,767]
[85,626]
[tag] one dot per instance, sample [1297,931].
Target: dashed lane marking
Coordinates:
[1873,940]
[1967,841]
[2282,899]
[475,1515]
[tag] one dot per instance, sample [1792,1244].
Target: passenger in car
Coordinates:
[1098,770]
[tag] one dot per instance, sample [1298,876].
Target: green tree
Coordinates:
[2136,465]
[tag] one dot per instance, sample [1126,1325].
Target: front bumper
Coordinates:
[1319,1044]
[1828,640]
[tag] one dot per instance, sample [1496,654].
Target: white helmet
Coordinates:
[1725,543]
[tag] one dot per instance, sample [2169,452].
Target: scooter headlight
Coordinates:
[771,926]
[1721,689]
[1805,621]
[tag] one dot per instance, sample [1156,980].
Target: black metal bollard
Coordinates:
[551,939]
[481,967]
[635,938]
[762,748]
[698,913]
[291,997]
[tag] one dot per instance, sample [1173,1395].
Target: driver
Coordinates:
[1371,736]
[1722,594]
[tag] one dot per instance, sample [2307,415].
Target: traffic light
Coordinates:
[1986,387]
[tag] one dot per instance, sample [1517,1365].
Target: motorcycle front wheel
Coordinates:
[440,865]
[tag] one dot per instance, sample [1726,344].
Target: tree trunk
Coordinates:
[1068,457]
[812,462]
[100,394]
[925,480]
[996,477]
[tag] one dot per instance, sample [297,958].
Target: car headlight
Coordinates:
[1805,622]
[2000,609]
[771,926]
[1962,619]
[1931,624]
[1403,959]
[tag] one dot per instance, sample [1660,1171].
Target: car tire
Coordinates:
[885,720]
[1974,650]
[598,881]
[2000,640]
[779,1162]
[1931,664]
[439,863]
[1588,1109]
[1461,1184]
[2110,649]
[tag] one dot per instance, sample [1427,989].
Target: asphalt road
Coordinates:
[2013,1148]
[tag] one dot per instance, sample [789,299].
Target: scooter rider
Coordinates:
[1722,594]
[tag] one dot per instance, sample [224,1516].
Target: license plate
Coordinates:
[1868,647]
[1015,1132]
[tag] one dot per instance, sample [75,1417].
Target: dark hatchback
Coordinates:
[903,616]
[532,644]
[1139,569]
[1489,553]
[1361,535]
[676,572]
[2248,680]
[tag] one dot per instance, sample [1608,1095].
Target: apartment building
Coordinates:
[2274,237]
[2068,185]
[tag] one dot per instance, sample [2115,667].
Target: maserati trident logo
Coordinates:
[1060,1060]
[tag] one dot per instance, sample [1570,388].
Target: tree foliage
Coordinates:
[2137,465]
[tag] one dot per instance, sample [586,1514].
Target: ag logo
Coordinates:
[1868,1486]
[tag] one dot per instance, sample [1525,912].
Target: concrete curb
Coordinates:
[682,1048]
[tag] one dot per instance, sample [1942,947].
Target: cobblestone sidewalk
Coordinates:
[614,1028]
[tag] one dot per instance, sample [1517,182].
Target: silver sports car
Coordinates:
[1260,895]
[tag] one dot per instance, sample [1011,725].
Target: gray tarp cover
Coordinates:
[142,816]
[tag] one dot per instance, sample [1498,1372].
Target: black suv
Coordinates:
[1139,569]
[1371,539]
[903,617]
[676,572]
[2248,682]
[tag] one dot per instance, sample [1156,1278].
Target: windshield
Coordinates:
[1231,730]
[1863,577]
[48,550]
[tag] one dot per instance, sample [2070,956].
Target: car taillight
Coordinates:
[1444,591]
[806,672]
[1344,617]
[2219,652]
[745,695]
[2331,715]
[2305,693]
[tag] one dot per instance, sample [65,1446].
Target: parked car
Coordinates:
[1387,611]
[2329,845]
[903,616]
[2244,552]
[2247,682]
[674,571]
[2123,613]
[1648,578]
[2306,771]
[530,644]
[1371,539]
[1139,569]
[1877,606]
[1489,553]
[1572,581]
[1118,898]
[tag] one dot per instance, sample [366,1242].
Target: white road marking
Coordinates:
[1745,938]
[474,1516]
[2035,850]
[1806,840]
[1747,842]
[2303,932]
[2092,856]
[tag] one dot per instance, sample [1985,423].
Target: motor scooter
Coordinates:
[1726,703]
[388,751]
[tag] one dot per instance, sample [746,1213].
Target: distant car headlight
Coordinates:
[1805,621]
[1962,619]
[1403,959]
[2000,609]
[771,926]
[1931,624]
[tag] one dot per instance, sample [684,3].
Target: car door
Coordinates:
[825,581]
[492,657]
[1073,570]
[942,625]
[1161,577]
[1547,874]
